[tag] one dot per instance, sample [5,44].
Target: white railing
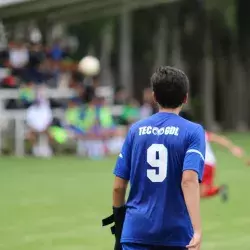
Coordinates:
[19,115]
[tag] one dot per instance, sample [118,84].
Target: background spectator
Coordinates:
[39,118]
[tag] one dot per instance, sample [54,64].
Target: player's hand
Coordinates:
[248,162]
[195,243]
[237,151]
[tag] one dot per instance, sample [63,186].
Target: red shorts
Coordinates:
[208,176]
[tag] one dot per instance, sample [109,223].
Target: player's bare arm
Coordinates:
[191,191]
[122,175]
[119,191]
[227,143]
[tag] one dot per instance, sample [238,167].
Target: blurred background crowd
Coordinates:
[46,98]
[31,68]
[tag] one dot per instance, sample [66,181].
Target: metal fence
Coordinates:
[18,116]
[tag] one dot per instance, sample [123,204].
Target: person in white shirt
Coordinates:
[208,187]
[18,56]
[39,118]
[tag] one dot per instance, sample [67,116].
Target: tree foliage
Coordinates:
[214,36]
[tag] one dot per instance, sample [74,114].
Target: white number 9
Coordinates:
[160,162]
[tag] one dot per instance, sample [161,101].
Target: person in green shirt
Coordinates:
[71,125]
[131,112]
[27,94]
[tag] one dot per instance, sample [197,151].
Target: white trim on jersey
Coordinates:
[196,152]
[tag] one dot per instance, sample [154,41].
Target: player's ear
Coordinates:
[153,96]
[185,101]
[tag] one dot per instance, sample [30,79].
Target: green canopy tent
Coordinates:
[71,10]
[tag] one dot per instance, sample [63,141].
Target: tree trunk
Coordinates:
[160,42]
[247,92]
[3,38]
[125,64]
[176,49]
[106,77]
[225,76]
[240,96]
[208,85]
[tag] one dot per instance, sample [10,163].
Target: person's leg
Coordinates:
[33,138]
[44,148]
[208,189]
[207,186]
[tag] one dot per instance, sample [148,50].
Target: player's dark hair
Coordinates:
[170,86]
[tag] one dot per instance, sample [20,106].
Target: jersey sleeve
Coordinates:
[123,163]
[195,154]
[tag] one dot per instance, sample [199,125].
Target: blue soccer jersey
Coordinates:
[156,152]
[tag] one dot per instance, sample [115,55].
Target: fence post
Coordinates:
[19,137]
[1,127]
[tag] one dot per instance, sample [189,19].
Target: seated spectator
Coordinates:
[121,96]
[36,55]
[131,112]
[56,55]
[7,80]
[18,57]
[70,126]
[4,58]
[101,136]
[97,118]
[56,52]
[58,133]
[73,114]
[85,91]
[39,117]
[34,71]
[27,94]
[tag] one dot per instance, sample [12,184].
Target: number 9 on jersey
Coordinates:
[157,158]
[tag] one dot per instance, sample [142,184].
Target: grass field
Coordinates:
[58,204]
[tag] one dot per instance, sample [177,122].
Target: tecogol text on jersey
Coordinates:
[148,130]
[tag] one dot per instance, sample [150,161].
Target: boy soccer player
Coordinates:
[208,188]
[163,159]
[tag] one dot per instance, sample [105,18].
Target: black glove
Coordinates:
[117,217]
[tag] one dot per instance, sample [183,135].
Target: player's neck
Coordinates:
[169,110]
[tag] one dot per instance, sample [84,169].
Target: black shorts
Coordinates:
[132,246]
